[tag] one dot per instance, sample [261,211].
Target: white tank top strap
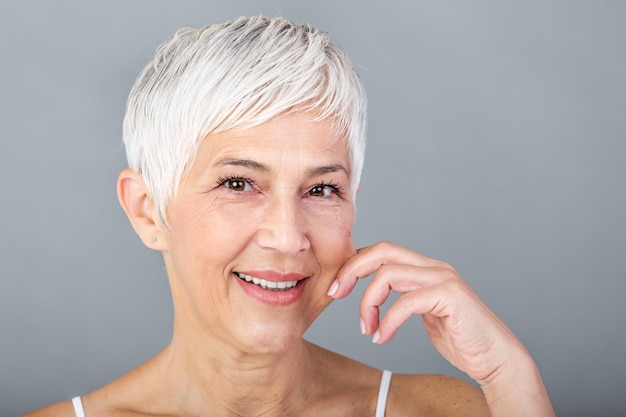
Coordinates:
[385,381]
[381,404]
[78,407]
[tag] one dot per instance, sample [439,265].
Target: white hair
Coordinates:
[241,73]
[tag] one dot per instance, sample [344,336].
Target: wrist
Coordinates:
[516,389]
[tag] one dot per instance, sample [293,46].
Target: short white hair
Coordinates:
[237,74]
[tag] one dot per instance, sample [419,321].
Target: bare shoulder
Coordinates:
[417,395]
[62,409]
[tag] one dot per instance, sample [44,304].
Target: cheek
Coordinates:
[211,233]
[224,220]
[333,243]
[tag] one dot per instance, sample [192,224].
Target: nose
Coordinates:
[284,225]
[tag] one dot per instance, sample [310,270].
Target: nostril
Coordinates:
[284,227]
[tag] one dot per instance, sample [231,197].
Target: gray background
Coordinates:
[497,135]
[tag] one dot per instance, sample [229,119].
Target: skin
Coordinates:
[276,198]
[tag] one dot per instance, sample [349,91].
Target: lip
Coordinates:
[276,298]
[275,276]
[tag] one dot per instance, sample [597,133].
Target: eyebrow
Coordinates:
[257,166]
[328,170]
[246,163]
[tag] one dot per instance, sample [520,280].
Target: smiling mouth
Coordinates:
[269,285]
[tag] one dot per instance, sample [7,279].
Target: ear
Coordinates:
[139,208]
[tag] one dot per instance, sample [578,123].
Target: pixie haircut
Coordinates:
[237,74]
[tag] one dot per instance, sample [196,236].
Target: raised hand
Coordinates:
[461,327]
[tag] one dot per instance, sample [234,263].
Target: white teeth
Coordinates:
[268,285]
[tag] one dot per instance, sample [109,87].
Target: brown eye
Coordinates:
[321,191]
[237,184]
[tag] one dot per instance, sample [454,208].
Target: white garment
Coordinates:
[381,404]
[78,407]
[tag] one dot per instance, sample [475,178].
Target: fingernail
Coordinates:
[376,336]
[363,330]
[333,288]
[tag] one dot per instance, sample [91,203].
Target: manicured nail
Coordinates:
[363,330]
[376,337]
[333,288]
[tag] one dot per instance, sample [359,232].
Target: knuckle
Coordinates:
[447,271]
[455,285]
[385,245]
[383,273]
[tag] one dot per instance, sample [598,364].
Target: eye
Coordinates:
[324,190]
[236,184]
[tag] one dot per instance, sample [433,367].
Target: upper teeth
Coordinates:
[268,285]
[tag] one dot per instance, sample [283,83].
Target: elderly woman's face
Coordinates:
[259,229]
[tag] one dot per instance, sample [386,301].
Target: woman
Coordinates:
[245,143]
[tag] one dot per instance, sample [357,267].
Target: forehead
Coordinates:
[294,137]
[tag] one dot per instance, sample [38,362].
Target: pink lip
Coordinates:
[276,298]
[275,276]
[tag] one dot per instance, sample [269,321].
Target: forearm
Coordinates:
[517,390]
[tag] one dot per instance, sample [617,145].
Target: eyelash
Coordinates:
[335,188]
[222,181]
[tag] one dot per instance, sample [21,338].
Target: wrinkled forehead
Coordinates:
[302,136]
[286,131]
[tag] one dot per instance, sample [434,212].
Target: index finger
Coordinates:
[370,258]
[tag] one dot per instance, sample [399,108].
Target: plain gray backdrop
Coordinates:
[496,142]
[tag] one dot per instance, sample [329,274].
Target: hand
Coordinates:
[459,324]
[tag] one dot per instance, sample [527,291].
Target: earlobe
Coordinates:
[139,208]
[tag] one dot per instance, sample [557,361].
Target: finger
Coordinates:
[341,289]
[369,259]
[397,278]
[434,300]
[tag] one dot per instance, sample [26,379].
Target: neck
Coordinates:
[208,376]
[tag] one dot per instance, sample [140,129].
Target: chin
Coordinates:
[272,338]
[265,327]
